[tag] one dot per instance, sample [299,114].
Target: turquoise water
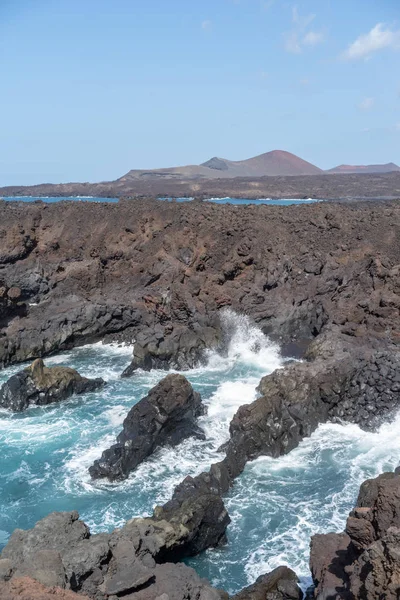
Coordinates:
[275,506]
[51,199]
[237,201]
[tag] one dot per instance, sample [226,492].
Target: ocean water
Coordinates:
[51,199]
[241,201]
[275,506]
[237,201]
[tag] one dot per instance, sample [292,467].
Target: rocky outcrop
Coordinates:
[171,347]
[363,562]
[166,416]
[39,385]
[360,386]
[60,551]
[59,556]
[280,584]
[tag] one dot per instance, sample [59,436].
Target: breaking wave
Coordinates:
[275,506]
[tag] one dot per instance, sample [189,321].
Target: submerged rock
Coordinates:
[166,416]
[40,385]
[363,562]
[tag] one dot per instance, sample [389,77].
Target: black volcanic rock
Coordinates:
[363,562]
[134,559]
[180,348]
[166,416]
[40,385]
[280,584]
[155,270]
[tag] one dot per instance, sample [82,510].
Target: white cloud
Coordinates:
[292,43]
[305,81]
[397,126]
[313,38]
[300,21]
[299,36]
[366,104]
[206,25]
[378,38]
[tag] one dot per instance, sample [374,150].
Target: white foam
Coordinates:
[301,498]
[247,345]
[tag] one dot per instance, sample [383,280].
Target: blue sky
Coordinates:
[93,88]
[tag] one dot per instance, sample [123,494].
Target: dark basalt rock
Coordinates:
[40,385]
[166,416]
[364,562]
[153,268]
[162,348]
[280,584]
[59,551]
[133,562]
[362,387]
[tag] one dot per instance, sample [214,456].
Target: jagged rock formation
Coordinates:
[363,562]
[172,348]
[152,268]
[166,416]
[361,386]
[40,385]
[59,551]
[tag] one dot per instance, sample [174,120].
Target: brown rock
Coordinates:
[25,588]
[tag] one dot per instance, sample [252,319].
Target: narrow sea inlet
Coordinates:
[275,506]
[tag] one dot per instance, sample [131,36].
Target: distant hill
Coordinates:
[387,168]
[277,162]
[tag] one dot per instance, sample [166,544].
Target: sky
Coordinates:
[93,88]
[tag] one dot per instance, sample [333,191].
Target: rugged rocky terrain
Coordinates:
[364,561]
[329,186]
[39,385]
[132,562]
[72,273]
[324,279]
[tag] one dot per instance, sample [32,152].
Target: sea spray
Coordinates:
[275,506]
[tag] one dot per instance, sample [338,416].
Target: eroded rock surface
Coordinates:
[59,551]
[156,271]
[172,348]
[364,562]
[166,416]
[40,385]
[361,386]
[25,588]
[280,584]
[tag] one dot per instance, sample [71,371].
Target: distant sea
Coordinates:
[237,201]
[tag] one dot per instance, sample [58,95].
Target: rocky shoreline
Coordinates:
[325,278]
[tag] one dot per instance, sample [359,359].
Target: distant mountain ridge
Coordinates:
[386,168]
[270,164]
[275,174]
[276,162]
